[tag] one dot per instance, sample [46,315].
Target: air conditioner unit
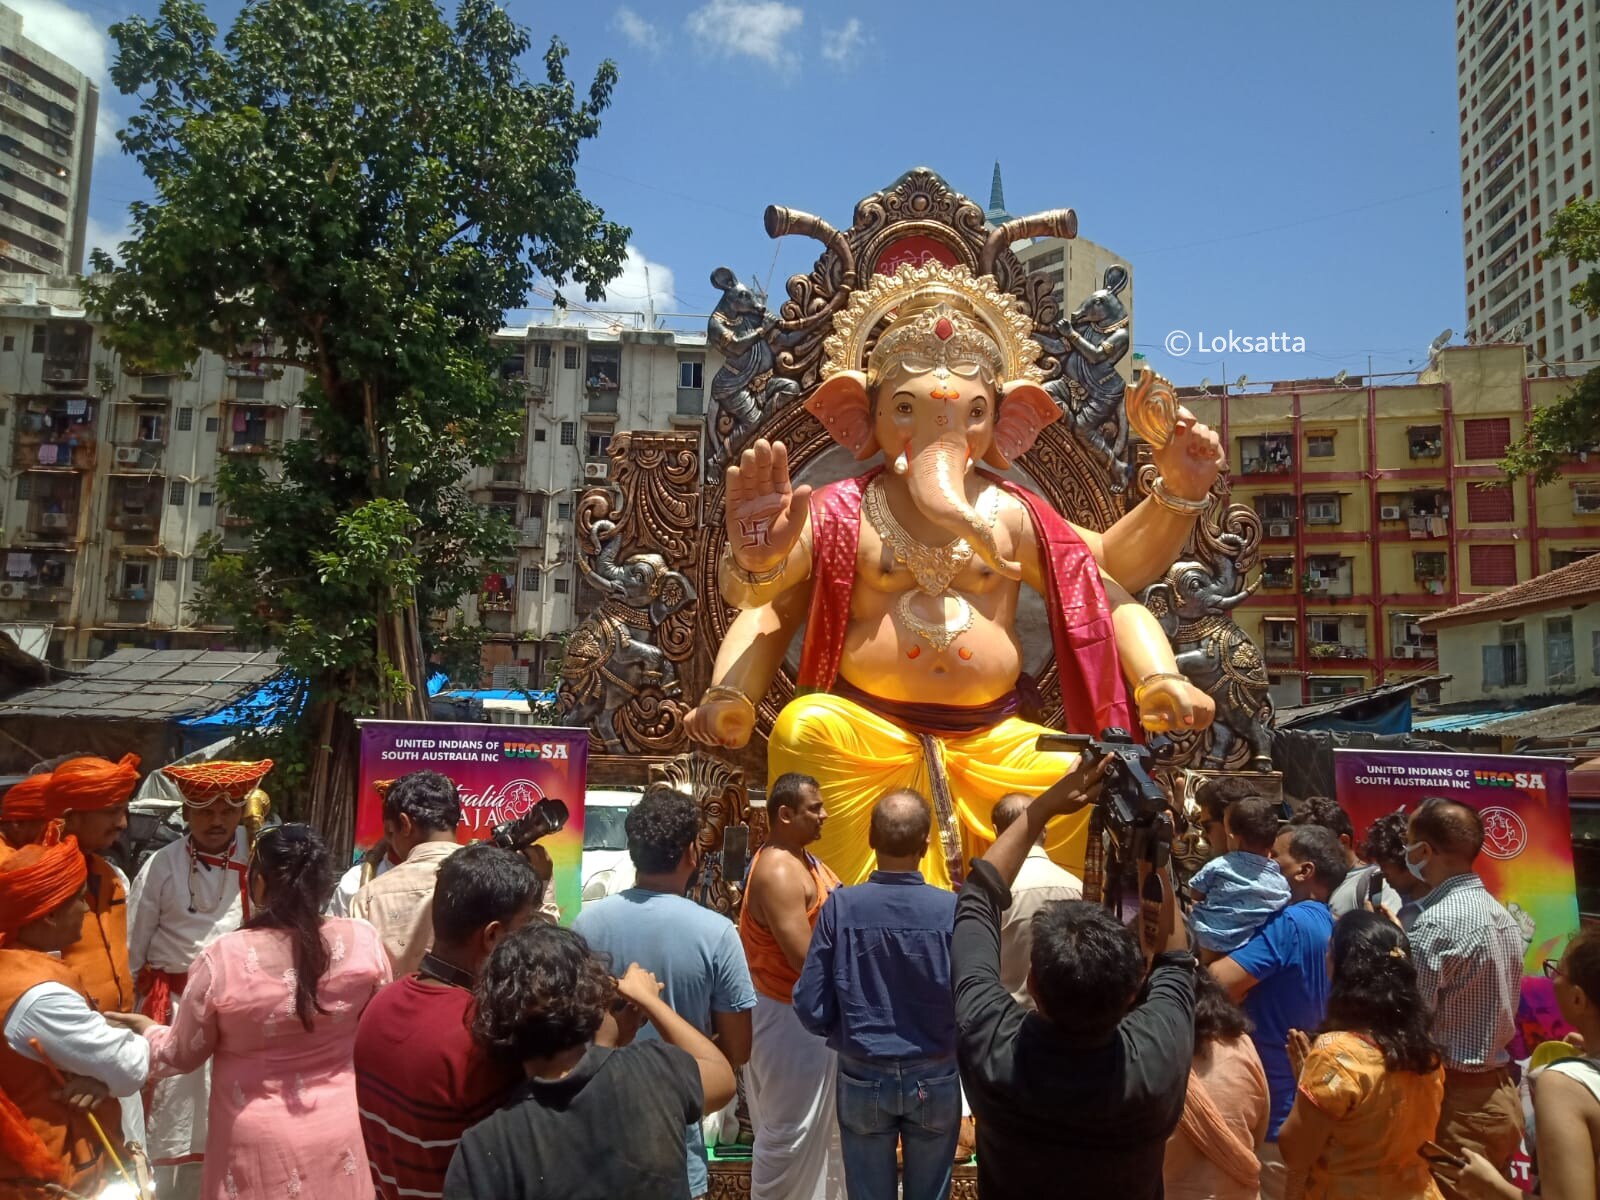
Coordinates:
[53,521]
[56,373]
[1277,529]
[127,456]
[1389,512]
[11,589]
[1402,652]
[596,470]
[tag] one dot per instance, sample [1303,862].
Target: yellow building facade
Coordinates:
[1383,504]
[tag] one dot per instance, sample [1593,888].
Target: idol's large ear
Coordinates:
[845,410]
[1024,411]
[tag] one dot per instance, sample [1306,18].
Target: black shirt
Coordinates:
[1094,1117]
[610,1130]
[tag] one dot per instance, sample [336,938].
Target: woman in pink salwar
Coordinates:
[275,1007]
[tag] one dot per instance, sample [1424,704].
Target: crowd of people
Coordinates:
[246,1024]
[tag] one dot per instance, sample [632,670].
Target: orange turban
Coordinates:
[85,784]
[28,800]
[37,880]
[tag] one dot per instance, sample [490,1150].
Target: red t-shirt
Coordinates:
[421,1082]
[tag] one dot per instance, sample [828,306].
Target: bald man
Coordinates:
[876,984]
[1468,954]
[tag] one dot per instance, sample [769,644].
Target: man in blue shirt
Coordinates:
[876,984]
[1281,974]
[694,952]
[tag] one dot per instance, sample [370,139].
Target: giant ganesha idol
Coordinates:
[907,578]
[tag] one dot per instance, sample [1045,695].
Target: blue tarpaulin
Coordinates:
[268,707]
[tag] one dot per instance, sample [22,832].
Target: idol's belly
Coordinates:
[911,651]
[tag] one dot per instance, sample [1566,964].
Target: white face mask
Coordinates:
[1415,868]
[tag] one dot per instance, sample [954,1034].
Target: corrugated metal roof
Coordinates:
[1544,720]
[148,685]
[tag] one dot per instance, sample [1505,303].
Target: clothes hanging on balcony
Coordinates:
[19,566]
[241,420]
[47,454]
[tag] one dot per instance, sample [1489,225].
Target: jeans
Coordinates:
[915,1103]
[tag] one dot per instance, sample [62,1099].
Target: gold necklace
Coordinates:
[933,567]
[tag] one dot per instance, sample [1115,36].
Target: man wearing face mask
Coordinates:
[1468,952]
[190,893]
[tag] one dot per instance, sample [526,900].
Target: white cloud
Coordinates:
[82,41]
[844,45]
[638,31]
[643,287]
[99,235]
[759,29]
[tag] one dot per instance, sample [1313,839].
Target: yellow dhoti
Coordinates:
[856,756]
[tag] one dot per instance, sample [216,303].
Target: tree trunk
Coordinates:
[334,774]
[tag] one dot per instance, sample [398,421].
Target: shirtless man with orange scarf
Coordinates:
[908,578]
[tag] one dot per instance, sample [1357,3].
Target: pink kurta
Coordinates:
[282,1118]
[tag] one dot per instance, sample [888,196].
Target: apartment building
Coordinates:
[584,381]
[1528,73]
[1378,509]
[48,111]
[110,478]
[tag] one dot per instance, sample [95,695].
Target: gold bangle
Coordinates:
[1154,677]
[754,579]
[724,691]
[1176,504]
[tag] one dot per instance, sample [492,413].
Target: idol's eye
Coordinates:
[977,412]
[903,408]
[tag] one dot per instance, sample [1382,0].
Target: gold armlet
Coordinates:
[1176,504]
[1156,677]
[723,691]
[748,589]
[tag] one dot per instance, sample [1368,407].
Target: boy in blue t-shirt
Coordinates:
[1237,892]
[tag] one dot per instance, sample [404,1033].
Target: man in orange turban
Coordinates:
[92,795]
[25,811]
[48,1023]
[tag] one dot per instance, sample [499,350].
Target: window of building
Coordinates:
[1322,510]
[1319,445]
[150,426]
[531,578]
[1269,454]
[1565,558]
[569,357]
[541,354]
[541,435]
[197,572]
[691,373]
[1560,656]
[1277,571]
[1426,441]
[1490,503]
[563,585]
[205,499]
[1323,629]
[41,336]
[251,389]
[1487,437]
[9,344]
[1430,564]
[563,510]
[596,443]
[215,423]
[605,368]
[1492,566]
[169,570]
[569,433]
[1505,664]
[178,493]
[185,419]
[135,580]
[1331,687]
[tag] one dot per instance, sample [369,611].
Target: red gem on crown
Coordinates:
[943,329]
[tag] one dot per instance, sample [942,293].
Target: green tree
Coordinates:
[1572,423]
[359,188]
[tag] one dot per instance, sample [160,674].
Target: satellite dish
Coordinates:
[1205,384]
[1242,380]
[1338,380]
[1440,342]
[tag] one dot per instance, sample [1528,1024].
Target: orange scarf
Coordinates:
[1203,1124]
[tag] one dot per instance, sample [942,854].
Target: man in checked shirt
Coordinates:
[1468,954]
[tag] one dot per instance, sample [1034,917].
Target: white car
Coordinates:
[607,869]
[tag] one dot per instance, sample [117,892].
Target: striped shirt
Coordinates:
[421,1082]
[1468,953]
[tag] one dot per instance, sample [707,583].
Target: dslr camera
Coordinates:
[547,816]
[1138,816]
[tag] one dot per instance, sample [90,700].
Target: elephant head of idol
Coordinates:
[934,367]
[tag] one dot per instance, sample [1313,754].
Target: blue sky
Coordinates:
[1263,166]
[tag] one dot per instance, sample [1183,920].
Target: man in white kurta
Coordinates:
[190,893]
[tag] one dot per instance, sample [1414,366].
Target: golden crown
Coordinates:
[938,316]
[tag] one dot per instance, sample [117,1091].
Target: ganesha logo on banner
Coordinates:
[1505,834]
[499,803]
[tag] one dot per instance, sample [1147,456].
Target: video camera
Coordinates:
[1139,818]
[547,816]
